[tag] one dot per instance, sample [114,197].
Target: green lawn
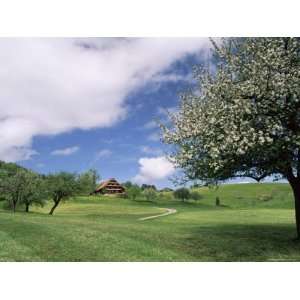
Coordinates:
[254,223]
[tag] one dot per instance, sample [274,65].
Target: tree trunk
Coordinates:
[296,190]
[27,207]
[14,204]
[53,207]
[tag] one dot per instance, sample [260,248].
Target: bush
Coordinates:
[148,186]
[182,194]
[195,196]
[133,192]
[150,194]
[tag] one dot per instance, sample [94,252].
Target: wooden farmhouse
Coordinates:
[110,187]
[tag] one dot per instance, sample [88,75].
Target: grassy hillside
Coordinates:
[256,223]
[275,195]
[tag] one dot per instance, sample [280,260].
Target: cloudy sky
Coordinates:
[74,104]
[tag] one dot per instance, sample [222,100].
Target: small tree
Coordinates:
[34,191]
[61,186]
[195,196]
[133,192]
[148,186]
[13,186]
[87,181]
[182,194]
[150,194]
[127,184]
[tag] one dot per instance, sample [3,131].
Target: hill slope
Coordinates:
[247,228]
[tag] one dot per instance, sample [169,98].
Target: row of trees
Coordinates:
[22,187]
[134,192]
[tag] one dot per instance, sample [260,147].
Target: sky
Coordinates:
[73,104]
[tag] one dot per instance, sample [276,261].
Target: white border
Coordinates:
[61,18]
[149,281]
[149,18]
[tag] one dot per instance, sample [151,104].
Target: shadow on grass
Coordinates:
[244,243]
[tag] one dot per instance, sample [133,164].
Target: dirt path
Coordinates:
[169,211]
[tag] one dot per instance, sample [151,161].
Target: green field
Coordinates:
[254,223]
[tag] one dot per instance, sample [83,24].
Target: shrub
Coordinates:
[133,192]
[150,194]
[195,196]
[182,194]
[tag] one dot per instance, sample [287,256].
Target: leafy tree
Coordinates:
[245,117]
[166,189]
[195,195]
[34,190]
[21,187]
[12,187]
[87,181]
[133,192]
[127,184]
[182,194]
[9,168]
[148,186]
[150,194]
[61,186]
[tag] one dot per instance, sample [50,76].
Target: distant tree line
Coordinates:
[21,188]
[151,193]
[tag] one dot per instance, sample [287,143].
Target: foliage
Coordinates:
[7,169]
[127,184]
[148,186]
[21,187]
[244,120]
[34,191]
[246,116]
[195,195]
[150,194]
[166,189]
[133,192]
[182,194]
[87,181]
[61,186]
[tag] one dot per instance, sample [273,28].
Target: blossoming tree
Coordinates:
[244,120]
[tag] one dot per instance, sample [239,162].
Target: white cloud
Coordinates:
[52,86]
[154,137]
[173,77]
[151,125]
[153,169]
[65,151]
[165,111]
[103,153]
[150,150]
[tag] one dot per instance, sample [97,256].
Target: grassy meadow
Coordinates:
[255,222]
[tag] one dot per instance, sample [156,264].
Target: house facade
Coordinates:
[110,187]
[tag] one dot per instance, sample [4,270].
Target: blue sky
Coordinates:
[115,151]
[75,104]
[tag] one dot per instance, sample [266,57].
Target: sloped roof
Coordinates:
[106,183]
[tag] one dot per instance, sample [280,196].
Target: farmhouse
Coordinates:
[109,187]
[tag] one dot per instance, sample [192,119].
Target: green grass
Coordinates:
[254,223]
